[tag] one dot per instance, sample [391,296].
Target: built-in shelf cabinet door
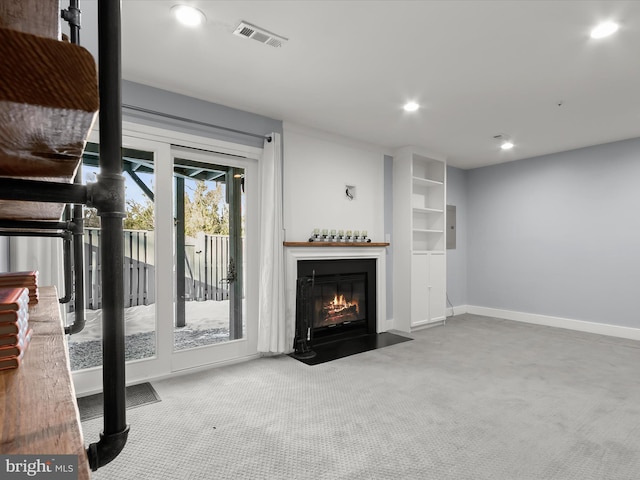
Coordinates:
[420,289]
[419,196]
[428,295]
[437,288]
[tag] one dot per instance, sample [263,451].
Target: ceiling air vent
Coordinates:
[259,34]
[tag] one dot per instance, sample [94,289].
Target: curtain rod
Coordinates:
[197,122]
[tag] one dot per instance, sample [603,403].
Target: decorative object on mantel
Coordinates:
[320,243]
[339,236]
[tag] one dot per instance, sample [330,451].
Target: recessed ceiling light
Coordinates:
[505,141]
[411,107]
[604,29]
[189,16]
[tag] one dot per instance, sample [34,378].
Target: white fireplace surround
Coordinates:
[293,254]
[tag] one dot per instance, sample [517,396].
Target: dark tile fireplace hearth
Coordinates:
[336,310]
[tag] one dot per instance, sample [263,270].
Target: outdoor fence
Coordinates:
[206,262]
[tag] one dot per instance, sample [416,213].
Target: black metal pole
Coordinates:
[36,191]
[78,267]
[72,16]
[109,200]
[36,225]
[66,259]
[31,233]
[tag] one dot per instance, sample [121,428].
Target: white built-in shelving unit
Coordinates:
[419,210]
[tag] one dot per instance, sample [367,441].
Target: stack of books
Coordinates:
[15,333]
[22,279]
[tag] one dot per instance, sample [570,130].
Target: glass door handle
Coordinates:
[231,273]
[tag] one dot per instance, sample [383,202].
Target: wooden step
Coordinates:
[39,17]
[48,104]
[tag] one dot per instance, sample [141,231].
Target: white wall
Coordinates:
[317,166]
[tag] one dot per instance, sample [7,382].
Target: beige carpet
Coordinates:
[476,399]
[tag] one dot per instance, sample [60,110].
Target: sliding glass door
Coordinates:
[85,347]
[209,256]
[190,258]
[210,238]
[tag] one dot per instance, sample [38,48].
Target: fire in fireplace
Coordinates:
[336,300]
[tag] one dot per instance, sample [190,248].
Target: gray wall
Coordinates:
[174,104]
[558,235]
[388,229]
[457,258]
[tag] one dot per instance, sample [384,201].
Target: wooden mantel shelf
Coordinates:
[335,244]
[38,410]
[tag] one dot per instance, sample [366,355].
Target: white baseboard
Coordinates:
[430,324]
[567,323]
[456,310]
[386,325]
[89,381]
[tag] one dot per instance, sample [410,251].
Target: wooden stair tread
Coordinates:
[39,17]
[48,104]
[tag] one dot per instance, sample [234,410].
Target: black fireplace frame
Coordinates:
[310,269]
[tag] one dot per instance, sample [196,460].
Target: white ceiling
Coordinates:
[478,68]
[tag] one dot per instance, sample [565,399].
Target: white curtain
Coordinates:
[43,254]
[272,324]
